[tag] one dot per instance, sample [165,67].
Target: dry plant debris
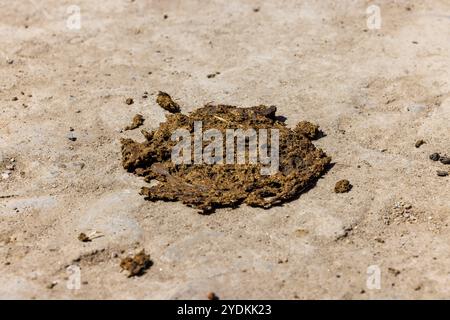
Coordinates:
[207,187]
[83,237]
[137,264]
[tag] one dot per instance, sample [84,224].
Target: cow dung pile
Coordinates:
[210,186]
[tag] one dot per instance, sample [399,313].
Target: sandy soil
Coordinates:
[373,92]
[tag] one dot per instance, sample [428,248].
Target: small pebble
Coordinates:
[52,285]
[435,156]
[445,160]
[5,175]
[10,61]
[129,101]
[15,99]
[442,173]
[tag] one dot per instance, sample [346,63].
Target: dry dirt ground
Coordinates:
[374,92]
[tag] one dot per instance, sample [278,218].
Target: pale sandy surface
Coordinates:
[373,92]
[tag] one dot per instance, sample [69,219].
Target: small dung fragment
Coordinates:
[419,143]
[309,129]
[435,156]
[445,160]
[83,237]
[212,296]
[342,186]
[138,120]
[129,101]
[166,102]
[137,264]
[15,99]
[442,173]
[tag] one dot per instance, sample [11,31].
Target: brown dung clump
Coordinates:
[165,101]
[137,264]
[210,186]
[342,186]
[138,120]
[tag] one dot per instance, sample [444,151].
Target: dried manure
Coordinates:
[210,186]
